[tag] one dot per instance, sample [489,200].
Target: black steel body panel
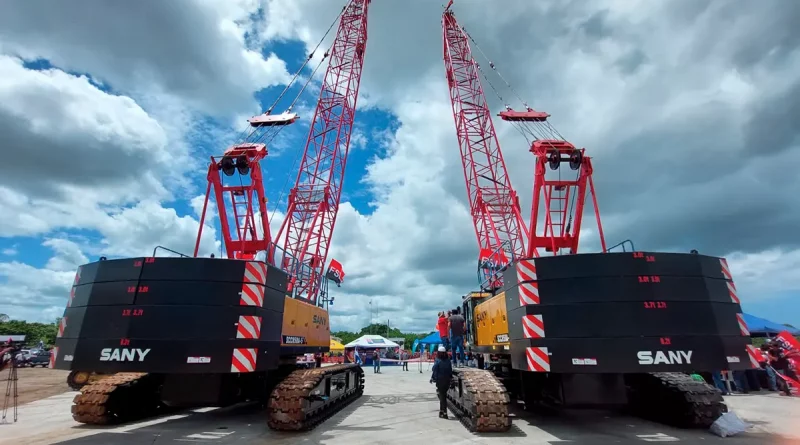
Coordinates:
[619,355]
[166,322]
[624,288]
[629,319]
[177,308]
[622,264]
[104,293]
[174,269]
[165,356]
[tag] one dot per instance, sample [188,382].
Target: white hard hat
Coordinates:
[442,349]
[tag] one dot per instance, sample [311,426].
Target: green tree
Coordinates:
[33,332]
[4,318]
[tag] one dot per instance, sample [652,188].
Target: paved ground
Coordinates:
[398,408]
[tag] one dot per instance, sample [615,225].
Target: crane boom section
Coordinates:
[314,199]
[494,204]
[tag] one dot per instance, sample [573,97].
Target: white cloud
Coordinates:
[196,50]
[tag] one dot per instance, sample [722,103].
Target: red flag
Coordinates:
[335,272]
[492,260]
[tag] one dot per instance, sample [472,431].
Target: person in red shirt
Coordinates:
[442,325]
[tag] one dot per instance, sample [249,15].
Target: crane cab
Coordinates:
[487,321]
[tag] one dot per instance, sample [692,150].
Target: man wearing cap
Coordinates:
[441,374]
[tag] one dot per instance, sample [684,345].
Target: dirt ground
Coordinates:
[36,383]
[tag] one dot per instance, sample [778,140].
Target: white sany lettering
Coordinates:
[668,358]
[123,355]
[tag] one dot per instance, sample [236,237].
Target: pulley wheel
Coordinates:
[575,160]
[554,160]
[78,379]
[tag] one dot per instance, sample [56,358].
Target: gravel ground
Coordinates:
[37,383]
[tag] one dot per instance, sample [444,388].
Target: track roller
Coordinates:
[675,399]
[117,398]
[479,401]
[307,397]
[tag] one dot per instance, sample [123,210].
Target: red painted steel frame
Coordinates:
[314,200]
[250,235]
[494,204]
[559,232]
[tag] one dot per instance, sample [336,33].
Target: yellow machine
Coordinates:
[490,318]
[304,320]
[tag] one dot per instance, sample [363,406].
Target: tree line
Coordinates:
[33,332]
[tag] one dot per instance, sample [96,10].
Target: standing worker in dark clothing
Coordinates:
[457,323]
[441,375]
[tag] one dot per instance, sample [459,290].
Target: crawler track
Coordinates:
[307,397]
[116,398]
[479,401]
[675,399]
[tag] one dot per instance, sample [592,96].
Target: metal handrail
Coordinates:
[168,250]
[622,244]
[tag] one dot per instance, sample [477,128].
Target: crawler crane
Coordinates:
[562,329]
[163,332]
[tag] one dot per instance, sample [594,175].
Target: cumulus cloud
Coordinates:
[195,50]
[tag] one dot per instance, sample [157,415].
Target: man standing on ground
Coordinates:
[457,337]
[441,375]
[376,361]
[441,326]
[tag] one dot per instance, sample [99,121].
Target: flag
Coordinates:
[492,260]
[335,272]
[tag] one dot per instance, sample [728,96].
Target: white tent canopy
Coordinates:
[371,341]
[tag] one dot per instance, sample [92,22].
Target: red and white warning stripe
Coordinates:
[251,295]
[751,352]
[244,360]
[249,326]
[726,273]
[255,272]
[74,283]
[528,293]
[526,270]
[538,359]
[533,326]
[742,325]
[61,326]
[732,292]
[254,280]
[53,357]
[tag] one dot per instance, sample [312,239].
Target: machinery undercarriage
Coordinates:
[295,402]
[481,401]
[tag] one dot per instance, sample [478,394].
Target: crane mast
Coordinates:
[314,199]
[558,203]
[494,204]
